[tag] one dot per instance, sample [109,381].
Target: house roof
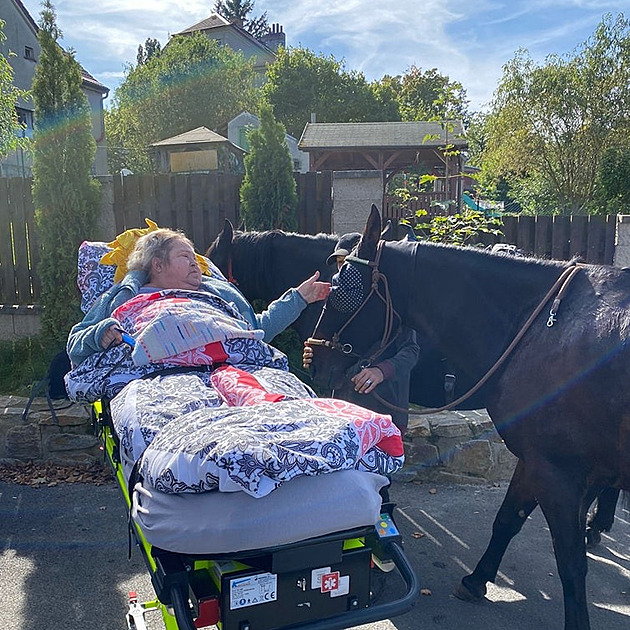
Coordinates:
[200,135]
[87,78]
[214,20]
[380,135]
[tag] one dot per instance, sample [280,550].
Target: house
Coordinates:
[390,147]
[21,39]
[237,134]
[198,150]
[237,38]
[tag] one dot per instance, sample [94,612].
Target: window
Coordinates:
[29,53]
[25,118]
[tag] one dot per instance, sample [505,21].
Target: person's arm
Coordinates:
[85,337]
[405,358]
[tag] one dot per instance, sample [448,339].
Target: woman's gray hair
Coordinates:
[156,244]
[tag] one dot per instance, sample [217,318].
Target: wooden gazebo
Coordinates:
[390,147]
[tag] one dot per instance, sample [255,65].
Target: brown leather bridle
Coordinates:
[390,332]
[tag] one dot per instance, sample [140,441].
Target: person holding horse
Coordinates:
[165,259]
[391,375]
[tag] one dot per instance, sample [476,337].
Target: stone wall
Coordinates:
[353,194]
[39,438]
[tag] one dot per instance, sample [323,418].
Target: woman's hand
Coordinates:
[312,290]
[367,379]
[307,356]
[111,337]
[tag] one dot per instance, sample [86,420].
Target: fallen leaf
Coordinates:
[433,491]
[425,591]
[418,535]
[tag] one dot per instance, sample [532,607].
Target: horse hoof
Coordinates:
[467,594]
[593,538]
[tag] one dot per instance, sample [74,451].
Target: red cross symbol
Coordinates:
[330,582]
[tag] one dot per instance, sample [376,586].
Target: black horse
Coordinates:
[559,399]
[265,264]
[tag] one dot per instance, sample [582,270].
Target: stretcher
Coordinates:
[323,582]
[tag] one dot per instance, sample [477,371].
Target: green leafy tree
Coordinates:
[268,193]
[551,123]
[193,82]
[239,10]
[425,95]
[300,82]
[612,185]
[66,197]
[9,97]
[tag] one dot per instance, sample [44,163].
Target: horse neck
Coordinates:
[469,303]
[267,264]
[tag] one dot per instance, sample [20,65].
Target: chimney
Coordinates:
[274,37]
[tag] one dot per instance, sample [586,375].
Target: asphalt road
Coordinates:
[63,562]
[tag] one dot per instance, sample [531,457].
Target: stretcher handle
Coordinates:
[183,614]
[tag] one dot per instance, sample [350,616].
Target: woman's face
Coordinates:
[180,271]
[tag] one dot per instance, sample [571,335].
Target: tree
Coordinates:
[151,48]
[9,96]
[612,184]
[268,195]
[239,10]
[551,123]
[425,95]
[66,197]
[299,83]
[193,82]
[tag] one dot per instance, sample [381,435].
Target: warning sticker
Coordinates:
[343,588]
[252,590]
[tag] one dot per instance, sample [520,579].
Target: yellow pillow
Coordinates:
[123,245]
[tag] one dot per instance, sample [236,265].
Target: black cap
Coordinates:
[344,246]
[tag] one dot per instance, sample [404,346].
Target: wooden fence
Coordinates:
[198,204]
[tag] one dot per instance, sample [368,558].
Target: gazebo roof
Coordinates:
[381,135]
[200,135]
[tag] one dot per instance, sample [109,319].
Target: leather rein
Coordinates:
[559,288]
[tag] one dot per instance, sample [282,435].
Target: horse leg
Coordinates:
[518,504]
[602,517]
[564,504]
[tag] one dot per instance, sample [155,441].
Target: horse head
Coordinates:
[346,337]
[220,251]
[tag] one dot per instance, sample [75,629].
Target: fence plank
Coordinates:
[198,210]
[595,234]
[577,236]
[20,248]
[525,233]
[542,236]
[7,269]
[560,238]
[33,241]
[610,236]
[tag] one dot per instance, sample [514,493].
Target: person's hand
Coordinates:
[312,290]
[307,356]
[111,337]
[367,379]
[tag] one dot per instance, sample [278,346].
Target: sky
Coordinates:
[469,42]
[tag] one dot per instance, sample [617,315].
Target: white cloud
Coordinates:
[469,42]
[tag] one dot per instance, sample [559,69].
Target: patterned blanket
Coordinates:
[244,425]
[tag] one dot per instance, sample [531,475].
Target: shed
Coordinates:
[198,150]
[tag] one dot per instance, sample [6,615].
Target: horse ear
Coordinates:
[220,251]
[228,231]
[387,233]
[372,231]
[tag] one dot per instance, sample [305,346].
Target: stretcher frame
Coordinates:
[190,590]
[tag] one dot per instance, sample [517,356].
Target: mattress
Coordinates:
[219,522]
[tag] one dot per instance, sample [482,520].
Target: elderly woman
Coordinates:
[165,259]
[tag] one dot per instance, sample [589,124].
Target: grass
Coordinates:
[23,362]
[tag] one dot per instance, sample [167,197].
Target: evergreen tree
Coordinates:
[239,10]
[66,197]
[268,193]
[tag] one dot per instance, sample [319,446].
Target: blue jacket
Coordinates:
[85,337]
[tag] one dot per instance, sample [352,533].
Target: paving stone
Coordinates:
[472,458]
